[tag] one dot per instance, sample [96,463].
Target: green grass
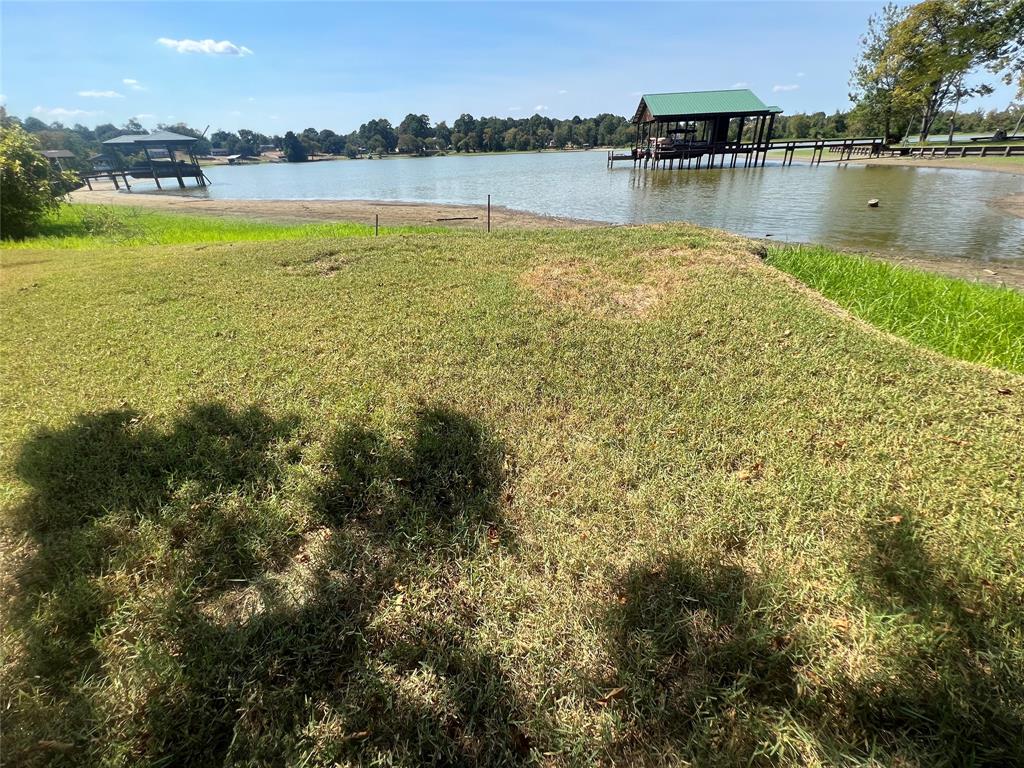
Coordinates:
[86,226]
[970,321]
[611,496]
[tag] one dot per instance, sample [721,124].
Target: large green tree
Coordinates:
[876,76]
[29,186]
[294,149]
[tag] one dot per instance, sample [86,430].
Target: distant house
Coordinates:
[219,152]
[57,156]
[267,148]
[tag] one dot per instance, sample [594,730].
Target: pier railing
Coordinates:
[725,154]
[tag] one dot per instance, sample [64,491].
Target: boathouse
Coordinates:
[156,166]
[709,127]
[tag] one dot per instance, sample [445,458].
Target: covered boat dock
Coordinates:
[153,146]
[713,128]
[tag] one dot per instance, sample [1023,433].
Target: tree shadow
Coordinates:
[697,664]
[95,482]
[960,694]
[259,634]
[710,667]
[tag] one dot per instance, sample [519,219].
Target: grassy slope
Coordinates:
[969,321]
[460,499]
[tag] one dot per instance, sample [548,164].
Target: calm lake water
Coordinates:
[923,210]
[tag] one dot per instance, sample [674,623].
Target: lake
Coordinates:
[926,211]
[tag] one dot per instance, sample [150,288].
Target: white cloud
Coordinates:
[62,112]
[275,117]
[145,116]
[784,88]
[134,84]
[3,98]
[562,92]
[800,74]
[740,84]
[514,109]
[211,47]
[234,113]
[101,94]
[251,99]
[540,108]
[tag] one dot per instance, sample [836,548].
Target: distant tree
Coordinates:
[248,143]
[33,124]
[443,134]
[417,126]
[294,149]
[382,130]
[465,124]
[335,144]
[409,144]
[31,187]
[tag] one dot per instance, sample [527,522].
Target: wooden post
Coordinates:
[174,164]
[488,213]
[376,224]
[152,167]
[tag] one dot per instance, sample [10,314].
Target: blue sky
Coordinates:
[279,66]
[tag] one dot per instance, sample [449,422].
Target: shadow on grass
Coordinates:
[171,557]
[702,669]
[959,695]
[711,669]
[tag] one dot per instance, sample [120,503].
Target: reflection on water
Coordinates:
[923,210]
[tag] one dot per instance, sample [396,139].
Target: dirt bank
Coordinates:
[997,164]
[304,211]
[1014,205]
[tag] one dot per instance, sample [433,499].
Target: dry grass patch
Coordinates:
[635,286]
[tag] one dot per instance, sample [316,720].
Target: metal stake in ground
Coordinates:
[376,224]
[488,213]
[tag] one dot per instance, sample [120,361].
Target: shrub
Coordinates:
[29,187]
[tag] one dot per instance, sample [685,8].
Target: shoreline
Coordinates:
[434,214]
[392,213]
[956,164]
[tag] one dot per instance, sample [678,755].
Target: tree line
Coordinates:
[919,63]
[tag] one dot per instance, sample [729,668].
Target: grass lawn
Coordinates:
[90,226]
[623,496]
[970,321]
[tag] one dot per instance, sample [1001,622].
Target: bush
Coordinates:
[29,187]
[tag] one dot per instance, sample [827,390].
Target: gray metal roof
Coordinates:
[58,153]
[148,139]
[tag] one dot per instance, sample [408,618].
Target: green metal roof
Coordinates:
[740,101]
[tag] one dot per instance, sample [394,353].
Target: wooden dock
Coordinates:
[726,154]
[730,154]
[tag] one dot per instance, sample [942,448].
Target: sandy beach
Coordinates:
[306,211]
